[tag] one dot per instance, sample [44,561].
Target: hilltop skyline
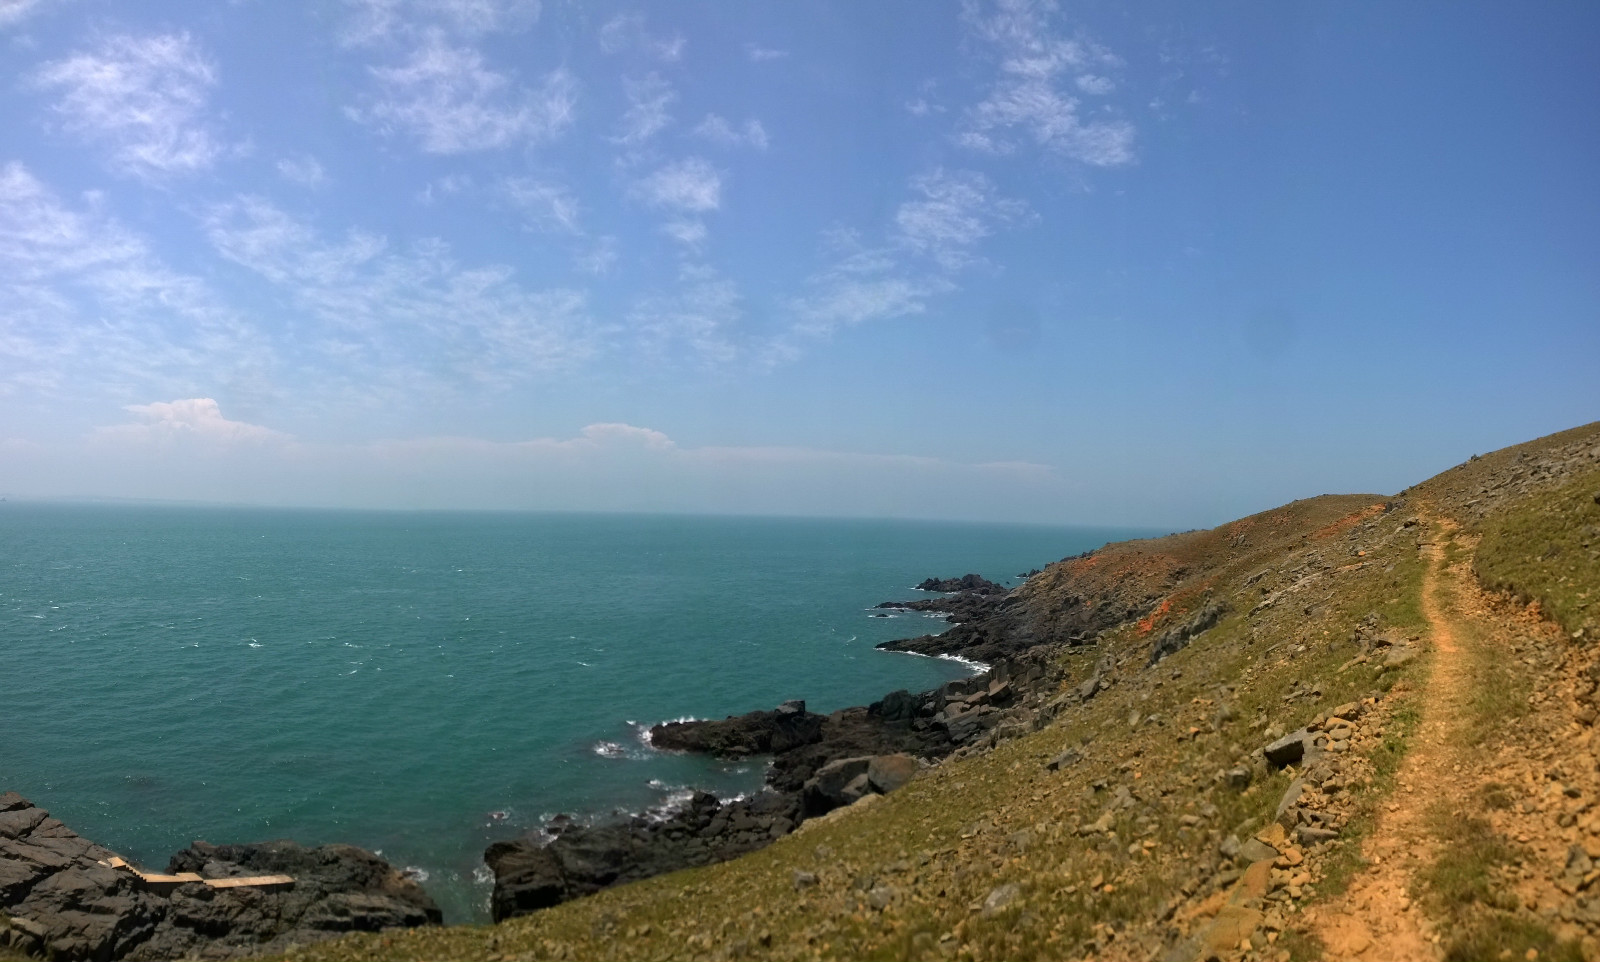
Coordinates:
[980,261]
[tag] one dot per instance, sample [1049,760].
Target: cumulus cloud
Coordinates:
[627,33]
[619,433]
[1030,100]
[689,186]
[449,99]
[199,418]
[143,98]
[720,132]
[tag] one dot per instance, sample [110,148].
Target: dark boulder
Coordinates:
[67,898]
[756,733]
[969,582]
[537,871]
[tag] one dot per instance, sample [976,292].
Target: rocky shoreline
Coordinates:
[64,897]
[818,763]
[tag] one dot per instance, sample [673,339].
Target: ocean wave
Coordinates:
[977,667]
[416,873]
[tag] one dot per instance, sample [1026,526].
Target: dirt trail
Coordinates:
[1375,917]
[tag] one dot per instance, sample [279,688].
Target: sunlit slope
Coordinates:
[1115,830]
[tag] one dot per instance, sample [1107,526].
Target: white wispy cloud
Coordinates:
[545,206]
[197,418]
[304,170]
[15,11]
[91,308]
[1031,100]
[627,33]
[720,132]
[687,231]
[953,211]
[450,100]
[690,186]
[646,116]
[392,318]
[950,213]
[143,98]
[860,284]
[598,258]
[1096,85]
[704,313]
[377,21]
[759,54]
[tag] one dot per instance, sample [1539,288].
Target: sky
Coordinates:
[1155,264]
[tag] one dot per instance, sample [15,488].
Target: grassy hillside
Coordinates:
[1114,831]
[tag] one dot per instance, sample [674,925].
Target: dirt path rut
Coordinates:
[1375,918]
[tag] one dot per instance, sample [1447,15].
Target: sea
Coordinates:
[424,684]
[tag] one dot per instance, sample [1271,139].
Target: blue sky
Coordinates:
[1013,261]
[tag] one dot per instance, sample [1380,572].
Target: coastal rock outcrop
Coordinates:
[788,727]
[969,582]
[569,860]
[64,897]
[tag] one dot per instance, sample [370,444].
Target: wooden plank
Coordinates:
[251,882]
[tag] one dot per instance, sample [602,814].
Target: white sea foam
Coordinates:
[977,667]
[642,731]
[415,873]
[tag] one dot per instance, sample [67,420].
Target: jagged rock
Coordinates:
[1286,813]
[1066,759]
[897,706]
[969,582]
[1175,639]
[755,733]
[885,773]
[66,901]
[1254,850]
[1290,749]
[1311,835]
[570,860]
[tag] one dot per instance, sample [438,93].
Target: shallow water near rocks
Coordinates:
[423,684]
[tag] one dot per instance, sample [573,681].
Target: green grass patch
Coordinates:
[1499,935]
[1547,549]
[1462,876]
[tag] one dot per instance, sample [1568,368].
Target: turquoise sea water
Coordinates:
[424,684]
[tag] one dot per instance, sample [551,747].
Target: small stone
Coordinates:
[999,898]
[804,880]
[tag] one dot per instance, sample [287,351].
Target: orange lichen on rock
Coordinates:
[1147,624]
[1348,521]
